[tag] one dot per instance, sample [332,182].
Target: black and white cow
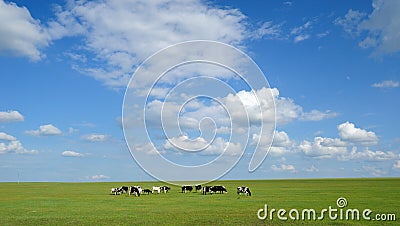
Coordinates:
[245,190]
[115,191]
[197,187]
[218,188]
[134,190]
[147,191]
[123,189]
[206,189]
[186,188]
[165,189]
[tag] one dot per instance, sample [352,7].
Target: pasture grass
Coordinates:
[92,203]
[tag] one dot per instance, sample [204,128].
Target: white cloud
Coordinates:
[21,34]
[215,147]
[121,34]
[281,139]
[300,38]
[7,137]
[96,137]
[100,177]
[300,32]
[323,147]
[45,130]
[300,29]
[11,116]
[396,165]
[351,21]
[288,3]
[348,132]
[283,168]
[268,30]
[15,146]
[316,115]
[381,26]
[148,149]
[281,144]
[369,155]
[386,84]
[193,112]
[72,154]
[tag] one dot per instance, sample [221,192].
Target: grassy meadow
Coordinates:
[92,203]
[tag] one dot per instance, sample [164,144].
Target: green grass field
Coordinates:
[92,203]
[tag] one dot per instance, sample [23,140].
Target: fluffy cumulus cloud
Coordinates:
[215,147]
[121,34]
[387,84]
[370,155]
[286,110]
[348,132]
[281,144]
[72,154]
[12,145]
[381,26]
[7,137]
[45,130]
[223,116]
[11,116]
[323,147]
[347,146]
[95,137]
[21,34]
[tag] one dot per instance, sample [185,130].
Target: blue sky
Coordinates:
[64,67]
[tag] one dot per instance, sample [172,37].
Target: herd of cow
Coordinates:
[137,190]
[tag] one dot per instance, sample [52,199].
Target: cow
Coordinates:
[218,188]
[123,189]
[245,190]
[147,191]
[186,188]
[157,189]
[165,189]
[197,187]
[115,191]
[134,190]
[206,189]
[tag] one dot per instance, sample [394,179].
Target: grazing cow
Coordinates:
[206,189]
[147,191]
[186,188]
[157,189]
[115,191]
[218,188]
[197,187]
[134,190]
[245,190]
[123,189]
[139,189]
[165,189]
